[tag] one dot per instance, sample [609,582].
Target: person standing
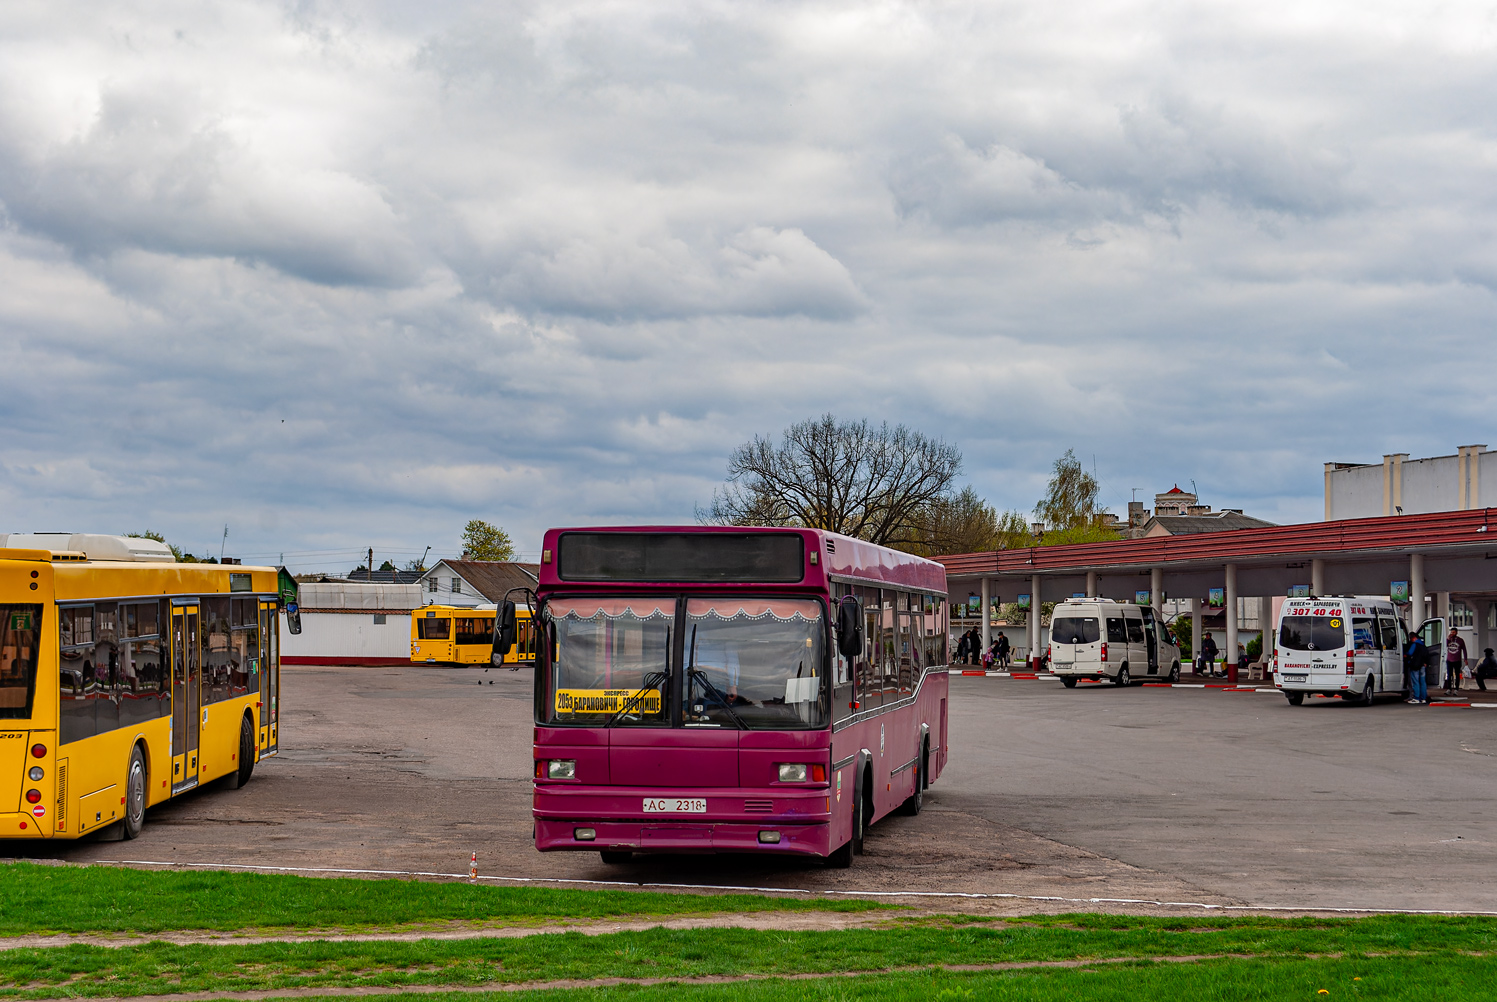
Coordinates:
[1208,653]
[1003,650]
[1415,657]
[1485,668]
[963,646]
[1455,660]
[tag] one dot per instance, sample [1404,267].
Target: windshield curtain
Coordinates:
[20,632]
[611,660]
[755,663]
[1312,633]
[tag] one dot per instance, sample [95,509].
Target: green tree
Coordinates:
[1070,499]
[483,541]
[1181,626]
[387,566]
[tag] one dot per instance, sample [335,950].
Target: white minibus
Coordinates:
[1349,646]
[1098,638]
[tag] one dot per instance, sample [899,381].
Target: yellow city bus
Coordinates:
[126,681]
[449,634]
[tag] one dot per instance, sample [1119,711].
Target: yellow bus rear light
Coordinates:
[33,796]
[36,774]
[38,751]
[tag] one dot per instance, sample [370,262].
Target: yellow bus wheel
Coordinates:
[135,793]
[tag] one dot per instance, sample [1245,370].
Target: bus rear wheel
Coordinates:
[1123,679]
[135,794]
[916,800]
[1069,683]
[240,776]
[1295,698]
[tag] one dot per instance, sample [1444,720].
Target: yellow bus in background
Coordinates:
[127,678]
[448,634]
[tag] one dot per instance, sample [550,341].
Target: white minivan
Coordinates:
[1098,638]
[1349,646]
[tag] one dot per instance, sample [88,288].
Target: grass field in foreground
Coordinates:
[1449,979]
[158,968]
[38,899]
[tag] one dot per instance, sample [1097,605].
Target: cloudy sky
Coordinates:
[342,275]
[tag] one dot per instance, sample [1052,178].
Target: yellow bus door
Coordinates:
[187,697]
[270,686]
[262,675]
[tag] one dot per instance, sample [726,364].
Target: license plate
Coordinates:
[674,805]
[1294,678]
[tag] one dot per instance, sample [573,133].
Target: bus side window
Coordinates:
[1116,634]
[76,681]
[866,671]
[1389,630]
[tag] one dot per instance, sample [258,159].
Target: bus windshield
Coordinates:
[611,660]
[20,626]
[1312,633]
[754,663]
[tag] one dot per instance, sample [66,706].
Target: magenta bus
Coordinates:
[708,689]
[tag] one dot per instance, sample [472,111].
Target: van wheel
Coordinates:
[1295,698]
[135,794]
[613,856]
[1366,699]
[1069,683]
[246,768]
[840,859]
[1174,673]
[1123,679]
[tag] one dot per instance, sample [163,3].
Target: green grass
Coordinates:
[64,899]
[158,968]
[1454,979]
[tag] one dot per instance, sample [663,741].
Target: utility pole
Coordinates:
[222,542]
[371,563]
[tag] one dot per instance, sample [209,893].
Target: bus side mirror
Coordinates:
[849,628]
[293,617]
[504,633]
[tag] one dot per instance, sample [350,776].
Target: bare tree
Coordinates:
[851,477]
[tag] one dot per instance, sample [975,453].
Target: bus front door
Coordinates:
[262,677]
[270,685]
[187,697]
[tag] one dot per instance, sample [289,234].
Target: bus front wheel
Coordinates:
[616,856]
[135,794]
[840,859]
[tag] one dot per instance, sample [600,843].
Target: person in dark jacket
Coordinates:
[1415,659]
[1485,668]
[964,648]
[1208,654]
[1004,650]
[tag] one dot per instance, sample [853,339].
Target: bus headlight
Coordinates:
[561,768]
[792,772]
[584,834]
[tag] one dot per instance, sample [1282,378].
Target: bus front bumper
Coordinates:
[737,820]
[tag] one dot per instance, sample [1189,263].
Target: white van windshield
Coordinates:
[1312,633]
[1075,630]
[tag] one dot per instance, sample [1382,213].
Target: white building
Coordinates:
[1403,486]
[470,583]
[347,623]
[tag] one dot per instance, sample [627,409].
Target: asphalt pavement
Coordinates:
[1095,797]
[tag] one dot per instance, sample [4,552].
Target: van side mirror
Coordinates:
[849,628]
[505,632]
[293,617]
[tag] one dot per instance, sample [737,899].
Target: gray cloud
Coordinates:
[346,274]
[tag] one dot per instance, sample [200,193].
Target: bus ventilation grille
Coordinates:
[62,795]
[758,807]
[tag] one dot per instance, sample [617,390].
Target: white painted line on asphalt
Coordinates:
[800,890]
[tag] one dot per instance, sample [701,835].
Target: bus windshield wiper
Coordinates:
[647,683]
[694,673]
